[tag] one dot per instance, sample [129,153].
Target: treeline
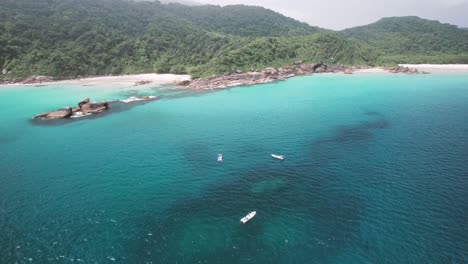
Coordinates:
[68,38]
[414,40]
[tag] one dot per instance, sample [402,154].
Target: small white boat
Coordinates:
[220,157]
[248,217]
[280,157]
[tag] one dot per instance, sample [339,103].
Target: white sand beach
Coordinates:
[371,70]
[439,67]
[127,80]
[118,81]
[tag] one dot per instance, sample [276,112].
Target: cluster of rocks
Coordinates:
[401,69]
[37,79]
[238,77]
[266,75]
[84,108]
[29,80]
[10,81]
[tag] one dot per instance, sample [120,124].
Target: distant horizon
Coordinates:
[325,15]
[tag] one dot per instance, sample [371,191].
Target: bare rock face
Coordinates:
[76,109]
[94,107]
[41,115]
[236,78]
[317,66]
[59,113]
[400,69]
[82,102]
[270,71]
[321,69]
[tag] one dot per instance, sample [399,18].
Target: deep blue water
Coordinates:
[376,171]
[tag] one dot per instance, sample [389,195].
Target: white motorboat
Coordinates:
[248,217]
[220,157]
[280,157]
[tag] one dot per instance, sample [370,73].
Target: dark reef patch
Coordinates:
[6,139]
[372,113]
[354,133]
[302,192]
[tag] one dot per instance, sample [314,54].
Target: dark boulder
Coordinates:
[318,65]
[184,83]
[321,69]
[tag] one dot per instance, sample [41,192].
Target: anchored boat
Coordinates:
[248,217]
[220,157]
[280,157]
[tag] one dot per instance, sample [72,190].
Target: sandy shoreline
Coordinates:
[130,79]
[439,67]
[122,80]
[372,70]
[173,79]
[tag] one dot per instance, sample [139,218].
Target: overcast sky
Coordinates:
[340,14]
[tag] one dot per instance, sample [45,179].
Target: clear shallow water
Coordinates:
[375,172]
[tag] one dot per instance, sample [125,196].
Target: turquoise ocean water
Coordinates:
[376,171]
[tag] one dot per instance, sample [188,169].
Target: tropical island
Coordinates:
[67,39]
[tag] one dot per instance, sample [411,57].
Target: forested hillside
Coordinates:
[67,38]
[415,40]
[241,20]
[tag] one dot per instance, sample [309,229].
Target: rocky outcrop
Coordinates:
[271,74]
[184,83]
[85,108]
[64,112]
[82,102]
[94,107]
[29,80]
[319,67]
[401,69]
[37,79]
[266,75]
